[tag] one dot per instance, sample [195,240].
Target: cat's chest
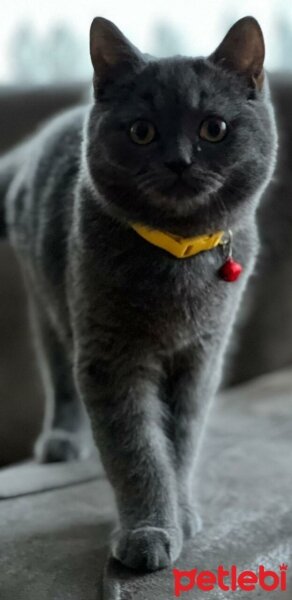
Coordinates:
[153,300]
[174,306]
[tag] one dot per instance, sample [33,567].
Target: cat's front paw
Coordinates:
[147,548]
[57,446]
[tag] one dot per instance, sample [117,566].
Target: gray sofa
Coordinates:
[55,520]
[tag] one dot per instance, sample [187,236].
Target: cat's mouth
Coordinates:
[186,186]
[179,186]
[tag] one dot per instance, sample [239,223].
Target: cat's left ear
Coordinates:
[109,48]
[243,51]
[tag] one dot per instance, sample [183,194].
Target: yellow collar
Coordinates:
[176,245]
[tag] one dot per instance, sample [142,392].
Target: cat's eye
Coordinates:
[213,129]
[142,132]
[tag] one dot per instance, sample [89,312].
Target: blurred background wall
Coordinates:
[44,68]
[45,42]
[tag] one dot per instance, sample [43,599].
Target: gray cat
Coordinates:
[169,150]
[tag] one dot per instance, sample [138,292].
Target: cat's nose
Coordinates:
[178,166]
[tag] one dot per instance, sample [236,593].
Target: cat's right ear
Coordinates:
[109,49]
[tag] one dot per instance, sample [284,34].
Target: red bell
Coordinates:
[231,270]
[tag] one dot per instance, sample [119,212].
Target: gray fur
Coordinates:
[140,336]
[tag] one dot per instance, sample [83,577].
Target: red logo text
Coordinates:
[230,580]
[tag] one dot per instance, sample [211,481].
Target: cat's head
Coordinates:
[183,144]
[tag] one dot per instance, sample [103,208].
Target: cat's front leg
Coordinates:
[126,418]
[191,385]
